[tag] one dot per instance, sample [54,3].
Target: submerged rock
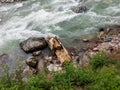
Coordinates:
[80,9]
[10,1]
[79,1]
[33,44]
[4,58]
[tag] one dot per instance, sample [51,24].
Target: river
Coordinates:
[40,18]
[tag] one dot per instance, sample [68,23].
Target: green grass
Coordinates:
[101,74]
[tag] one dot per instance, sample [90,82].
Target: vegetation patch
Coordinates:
[101,74]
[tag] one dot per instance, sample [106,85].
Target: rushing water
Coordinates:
[21,20]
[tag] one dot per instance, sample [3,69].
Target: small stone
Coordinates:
[85,40]
[54,67]
[95,49]
[10,1]
[37,53]
[107,39]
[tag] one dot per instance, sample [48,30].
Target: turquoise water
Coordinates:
[36,18]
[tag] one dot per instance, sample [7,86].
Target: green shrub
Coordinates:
[40,82]
[71,78]
[82,77]
[108,80]
[74,77]
[99,60]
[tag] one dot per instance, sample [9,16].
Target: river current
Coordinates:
[40,18]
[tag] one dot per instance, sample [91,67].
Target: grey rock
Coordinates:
[107,40]
[10,1]
[80,9]
[33,44]
[4,58]
[32,62]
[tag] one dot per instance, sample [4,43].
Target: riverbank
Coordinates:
[107,40]
[96,61]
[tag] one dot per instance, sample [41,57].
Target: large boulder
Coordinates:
[33,44]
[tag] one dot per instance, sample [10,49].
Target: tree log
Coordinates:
[58,49]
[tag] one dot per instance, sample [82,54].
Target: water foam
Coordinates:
[35,23]
[35,18]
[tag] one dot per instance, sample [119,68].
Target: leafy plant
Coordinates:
[99,60]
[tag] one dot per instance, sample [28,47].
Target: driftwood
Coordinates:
[58,49]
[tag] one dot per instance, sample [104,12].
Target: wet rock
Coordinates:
[4,58]
[80,9]
[32,62]
[33,44]
[10,1]
[107,40]
[85,40]
[79,1]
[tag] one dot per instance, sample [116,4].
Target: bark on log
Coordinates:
[58,49]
